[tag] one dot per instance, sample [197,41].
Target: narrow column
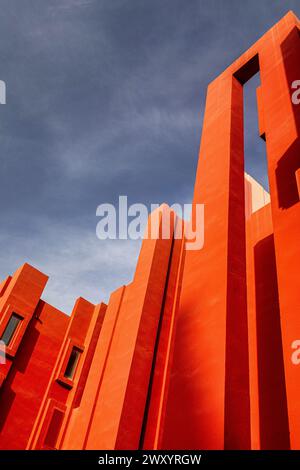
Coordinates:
[208,404]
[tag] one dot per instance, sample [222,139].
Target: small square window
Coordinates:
[72,363]
[11,328]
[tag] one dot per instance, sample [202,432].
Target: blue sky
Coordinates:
[106,97]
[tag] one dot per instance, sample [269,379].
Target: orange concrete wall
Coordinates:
[22,392]
[61,391]
[212,409]
[207,348]
[81,417]
[152,434]
[20,295]
[279,68]
[115,395]
[269,418]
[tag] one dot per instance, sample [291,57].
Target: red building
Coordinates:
[197,351]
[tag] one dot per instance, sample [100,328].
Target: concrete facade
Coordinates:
[196,352]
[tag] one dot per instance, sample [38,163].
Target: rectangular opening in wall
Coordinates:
[53,429]
[257,180]
[72,363]
[11,328]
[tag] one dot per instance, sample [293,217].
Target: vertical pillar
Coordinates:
[119,412]
[160,379]
[20,296]
[208,405]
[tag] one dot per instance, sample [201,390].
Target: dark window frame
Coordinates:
[11,328]
[72,364]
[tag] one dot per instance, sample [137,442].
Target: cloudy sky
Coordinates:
[104,98]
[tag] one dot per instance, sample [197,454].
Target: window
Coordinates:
[10,329]
[72,363]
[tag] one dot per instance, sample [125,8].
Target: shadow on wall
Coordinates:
[274,427]
[288,194]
